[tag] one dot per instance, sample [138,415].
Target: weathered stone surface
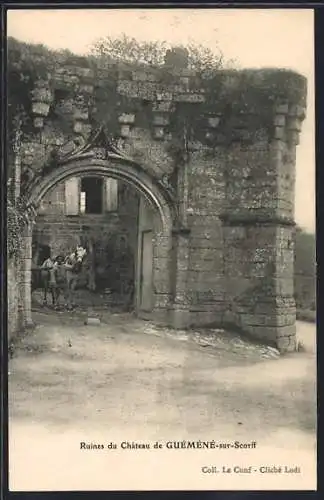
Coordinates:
[228,181]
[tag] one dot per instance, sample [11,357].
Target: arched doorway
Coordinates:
[154,229]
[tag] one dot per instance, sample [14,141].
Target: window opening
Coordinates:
[91,195]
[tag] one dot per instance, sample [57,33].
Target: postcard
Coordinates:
[161,249]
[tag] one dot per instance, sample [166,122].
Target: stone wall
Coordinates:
[219,154]
[258,232]
[206,284]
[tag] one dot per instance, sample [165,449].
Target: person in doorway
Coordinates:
[48,263]
[47,278]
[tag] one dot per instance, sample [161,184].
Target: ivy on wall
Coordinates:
[17,219]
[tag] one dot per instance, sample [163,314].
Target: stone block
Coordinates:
[202,242]
[207,296]
[160,120]
[293,137]
[38,122]
[213,265]
[80,114]
[255,320]
[40,108]
[141,76]
[297,110]
[202,279]
[160,316]
[86,73]
[280,120]
[126,118]
[161,263]
[206,253]
[286,344]
[263,333]
[180,318]
[213,121]
[285,319]
[164,96]
[203,318]
[294,124]
[77,127]
[86,88]
[161,300]
[189,98]
[161,286]
[185,80]
[286,331]
[162,106]
[282,109]
[160,251]
[124,130]
[92,321]
[279,133]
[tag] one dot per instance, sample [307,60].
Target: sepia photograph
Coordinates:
[161,249]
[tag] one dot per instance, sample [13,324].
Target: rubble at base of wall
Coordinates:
[281,338]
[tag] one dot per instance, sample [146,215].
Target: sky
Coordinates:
[254,38]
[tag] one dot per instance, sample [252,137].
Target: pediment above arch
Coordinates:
[138,150]
[97,146]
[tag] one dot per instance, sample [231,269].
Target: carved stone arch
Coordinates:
[100,155]
[154,191]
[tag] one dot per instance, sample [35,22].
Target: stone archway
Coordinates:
[140,180]
[148,187]
[204,173]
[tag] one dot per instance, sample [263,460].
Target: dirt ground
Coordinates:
[128,380]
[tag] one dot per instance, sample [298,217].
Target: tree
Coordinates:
[305,270]
[131,51]
[305,254]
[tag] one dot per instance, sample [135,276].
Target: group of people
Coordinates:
[60,274]
[68,262]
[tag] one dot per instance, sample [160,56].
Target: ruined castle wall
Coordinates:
[259,232]
[222,154]
[206,284]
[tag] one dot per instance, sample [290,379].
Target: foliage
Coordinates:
[203,60]
[305,270]
[306,315]
[16,221]
[129,50]
[305,260]
[229,91]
